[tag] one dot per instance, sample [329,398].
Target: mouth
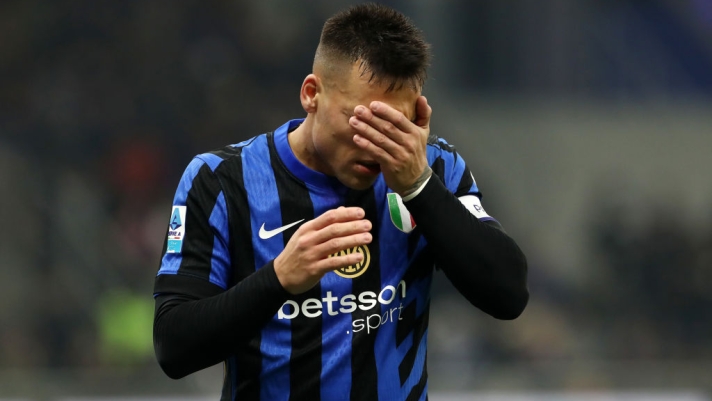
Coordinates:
[368,167]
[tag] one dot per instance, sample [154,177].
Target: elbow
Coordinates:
[513,307]
[513,294]
[169,354]
[170,366]
[503,303]
[517,292]
[172,372]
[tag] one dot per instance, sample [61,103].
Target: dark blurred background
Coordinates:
[587,124]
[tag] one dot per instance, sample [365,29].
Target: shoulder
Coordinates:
[447,164]
[439,149]
[229,154]
[439,144]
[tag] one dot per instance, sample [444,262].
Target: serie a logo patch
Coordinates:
[176,230]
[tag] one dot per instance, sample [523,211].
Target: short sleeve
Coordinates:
[195,257]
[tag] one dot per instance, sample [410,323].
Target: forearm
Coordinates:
[191,334]
[481,260]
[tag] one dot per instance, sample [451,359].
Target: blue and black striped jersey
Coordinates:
[361,333]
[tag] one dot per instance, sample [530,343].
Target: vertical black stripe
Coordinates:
[414,238]
[417,390]
[411,324]
[305,360]
[230,172]
[438,167]
[465,183]
[420,268]
[364,373]
[198,244]
[405,324]
[419,325]
[247,364]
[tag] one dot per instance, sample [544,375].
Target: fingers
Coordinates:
[338,215]
[338,244]
[321,247]
[381,138]
[336,236]
[385,132]
[377,145]
[339,261]
[388,115]
[307,256]
[339,230]
[336,258]
[384,120]
[423,111]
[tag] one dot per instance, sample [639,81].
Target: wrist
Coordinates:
[418,185]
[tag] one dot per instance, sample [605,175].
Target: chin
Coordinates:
[358,184]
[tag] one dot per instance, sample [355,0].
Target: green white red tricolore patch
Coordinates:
[400,216]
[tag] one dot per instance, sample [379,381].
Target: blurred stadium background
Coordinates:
[587,123]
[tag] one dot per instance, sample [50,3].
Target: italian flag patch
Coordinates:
[400,216]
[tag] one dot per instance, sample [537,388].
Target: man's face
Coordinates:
[336,154]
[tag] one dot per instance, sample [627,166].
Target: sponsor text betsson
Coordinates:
[367,300]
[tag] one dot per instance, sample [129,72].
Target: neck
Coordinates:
[300,140]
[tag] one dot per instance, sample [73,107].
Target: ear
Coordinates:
[310,92]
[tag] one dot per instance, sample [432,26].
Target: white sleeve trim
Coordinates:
[417,191]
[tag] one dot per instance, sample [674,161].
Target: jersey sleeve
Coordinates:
[195,259]
[458,178]
[480,259]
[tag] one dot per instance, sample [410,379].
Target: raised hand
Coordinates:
[395,142]
[305,259]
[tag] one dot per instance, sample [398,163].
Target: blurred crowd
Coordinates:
[102,105]
[648,299]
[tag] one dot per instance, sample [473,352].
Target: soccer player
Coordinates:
[303,257]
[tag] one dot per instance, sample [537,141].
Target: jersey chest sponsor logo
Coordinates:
[357,269]
[388,305]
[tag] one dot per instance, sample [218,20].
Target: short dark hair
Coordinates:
[387,43]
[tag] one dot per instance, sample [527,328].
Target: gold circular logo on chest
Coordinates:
[357,269]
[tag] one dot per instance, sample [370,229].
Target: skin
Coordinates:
[354,131]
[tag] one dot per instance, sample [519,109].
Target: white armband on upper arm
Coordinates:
[473,204]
